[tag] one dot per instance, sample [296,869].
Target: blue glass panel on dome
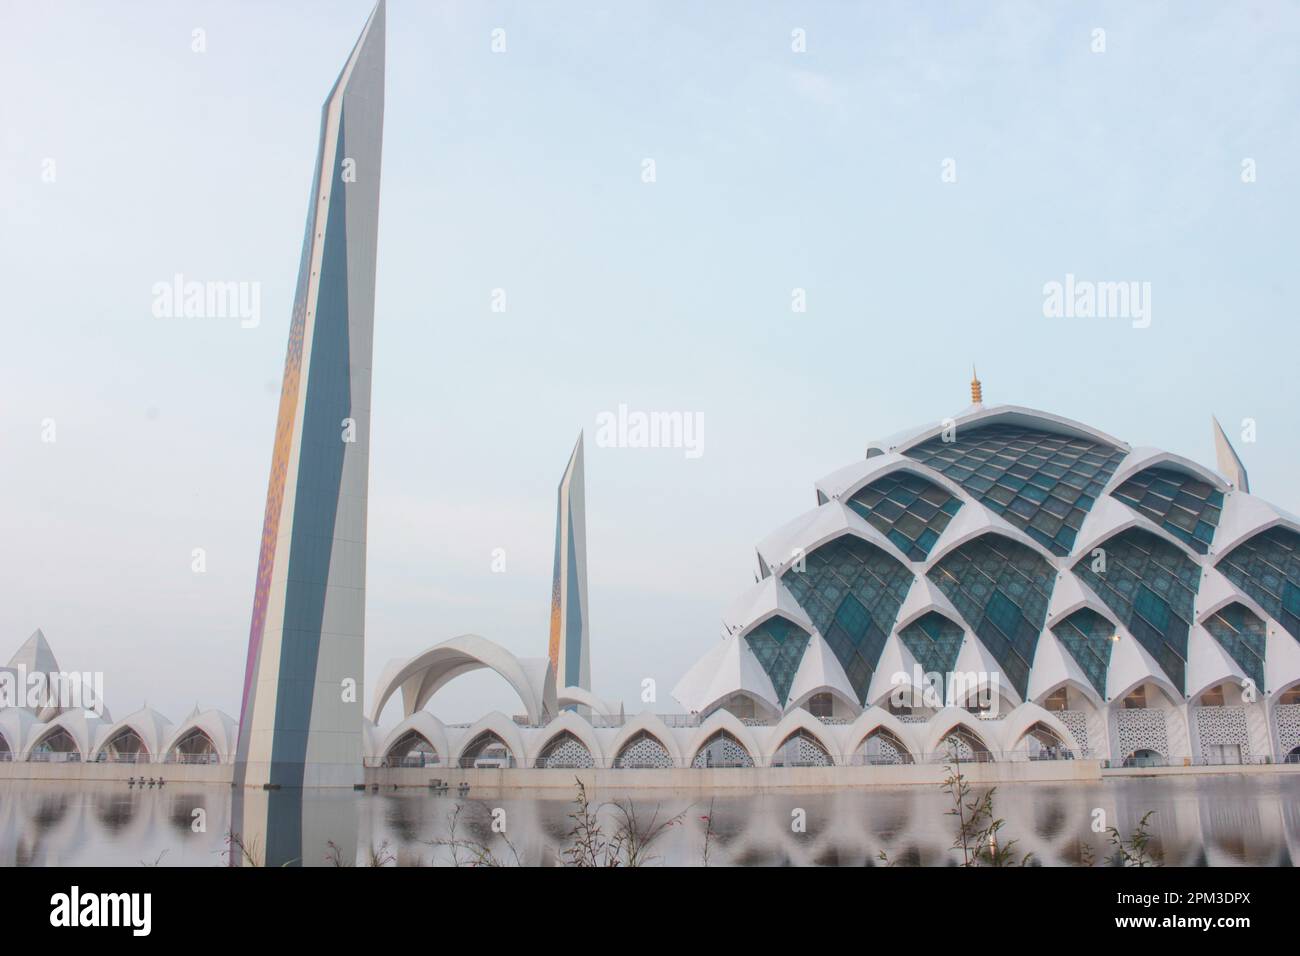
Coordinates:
[1267,567]
[1186,507]
[1002,589]
[935,642]
[779,645]
[907,509]
[1243,635]
[852,591]
[1042,483]
[1150,585]
[1089,638]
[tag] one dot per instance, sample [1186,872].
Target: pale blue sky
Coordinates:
[522,171]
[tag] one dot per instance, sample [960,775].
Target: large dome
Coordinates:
[1019,544]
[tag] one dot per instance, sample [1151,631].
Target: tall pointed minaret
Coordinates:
[300,722]
[1229,464]
[976,389]
[569,650]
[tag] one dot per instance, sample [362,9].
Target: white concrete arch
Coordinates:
[567,722]
[1021,720]
[1081,684]
[17,726]
[1016,415]
[423,675]
[652,725]
[975,522]
[219,727]
[830,521]
[729,668]
[501,725]
[796,720]
[949,719]
[151,727]
[1055,667]
[722,720]
[1217,592]
[924,597]
[820,671]
[877,718]
[892,464]
[1208,664]
[1245,516]
[427,726]
[1131,665]
[80,728]
[1110,517]
[766,599]
[581,697]
[1140,459]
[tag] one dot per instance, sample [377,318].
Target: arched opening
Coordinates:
[1145,758]
[56,747]
[746,708]
[722,750]
[801,749]
[565,751]
[412,749]
[1293,756]
[195,747]
[643,752]
[963,744]
[1142,721]
[126,746]
[881,747]
[487,752]
[1043,743]
[6,753]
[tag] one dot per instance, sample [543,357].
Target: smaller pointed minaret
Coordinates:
[976,390]
[1229,464]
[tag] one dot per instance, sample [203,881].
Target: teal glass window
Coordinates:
[935,642]
[1243,635]
[908,510]
[1002,589]
[852,591]
[1044,484]
[1267,567]
[1186,507]
[1150,585]
[1088,637]
[779,645]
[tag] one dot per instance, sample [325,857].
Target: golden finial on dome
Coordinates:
[976,390]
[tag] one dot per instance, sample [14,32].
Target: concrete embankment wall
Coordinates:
[748,779]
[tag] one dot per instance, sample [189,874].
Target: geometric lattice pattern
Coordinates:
[1043,484]
[644,751]
[1142,728]
[852,591]
[1243,635]
[935,642]
[908,510]
[801,750]
[1150,585]
[566,751]
[722,750]
[1288,728]
[1186,507]
[1088,637]
[1002,589]
[1076,722]
[1222,727]
[779,645]
[1267,567]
